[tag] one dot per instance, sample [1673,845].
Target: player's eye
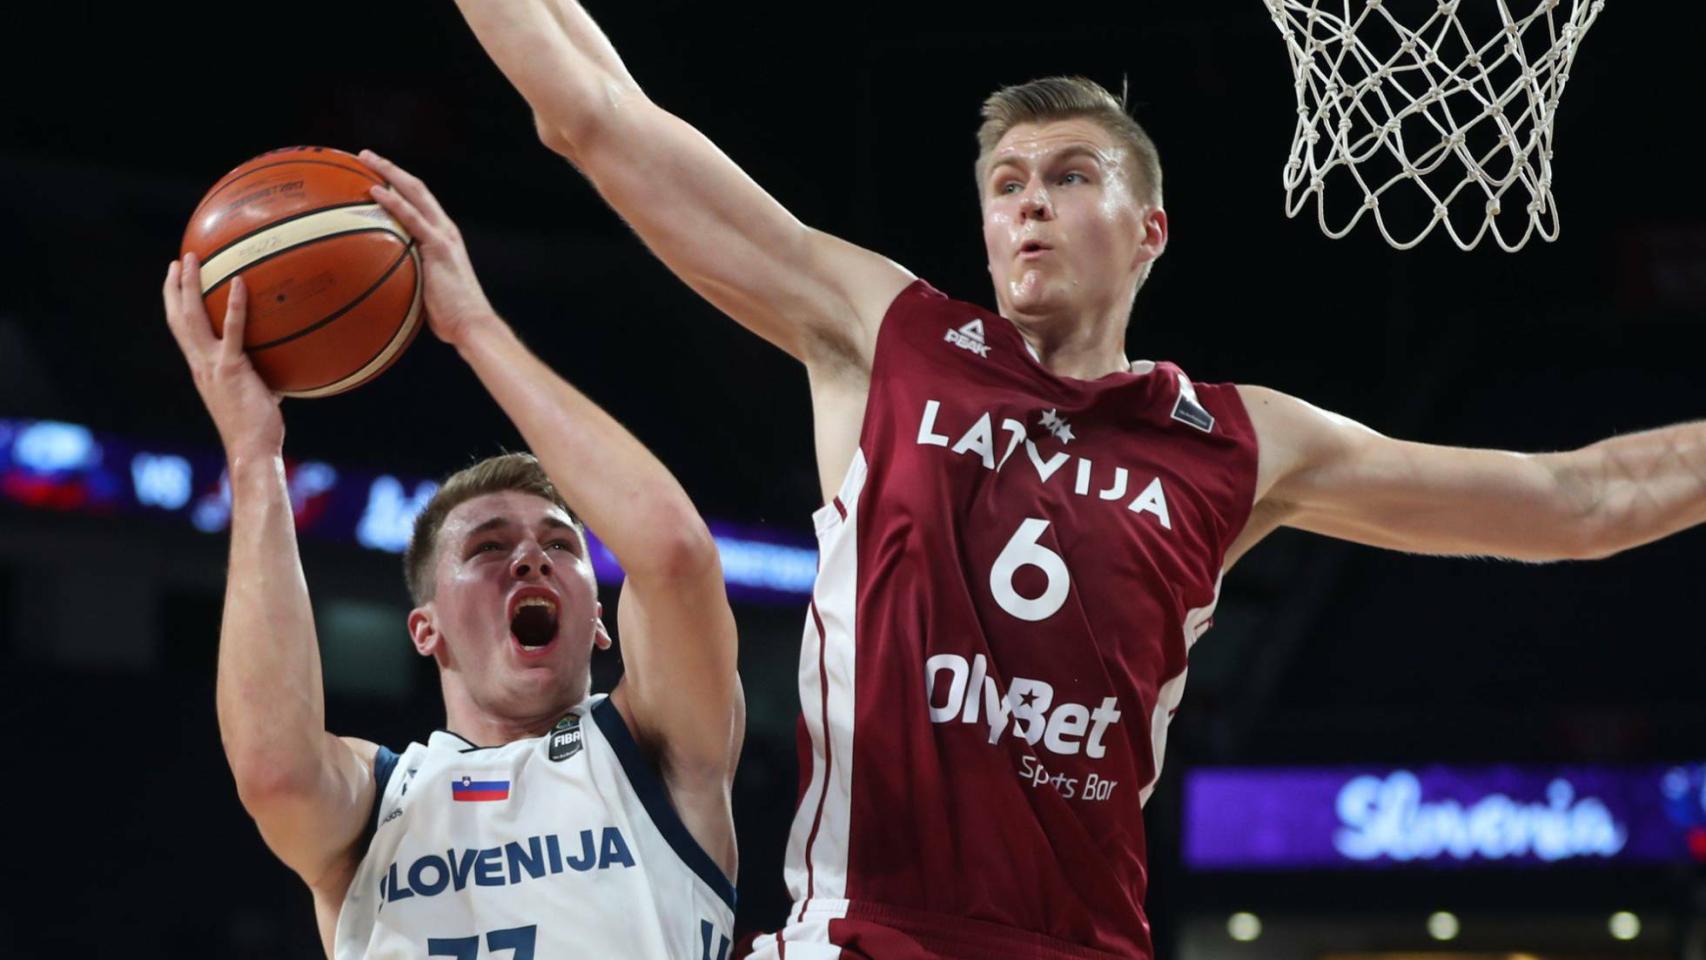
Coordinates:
[560,545]
[1074,177]
[488,546]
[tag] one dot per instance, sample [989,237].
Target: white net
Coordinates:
[1439,118]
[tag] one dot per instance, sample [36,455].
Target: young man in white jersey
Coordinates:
[542,820]
[1072,210]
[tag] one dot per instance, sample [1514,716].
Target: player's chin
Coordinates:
[1035,293]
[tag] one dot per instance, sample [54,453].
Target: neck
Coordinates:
[484,728]
[1084,340]
[1083,348]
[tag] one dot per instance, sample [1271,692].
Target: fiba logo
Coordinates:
[566,738]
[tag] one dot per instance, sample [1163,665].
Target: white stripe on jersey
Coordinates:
[1173,691]
[816,865]
[805,938]
[572,851]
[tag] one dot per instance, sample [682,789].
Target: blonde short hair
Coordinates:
[1066,98]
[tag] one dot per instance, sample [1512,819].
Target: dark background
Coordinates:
[129,839]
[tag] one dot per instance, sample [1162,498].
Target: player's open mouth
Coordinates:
[533,622]
[1031,248]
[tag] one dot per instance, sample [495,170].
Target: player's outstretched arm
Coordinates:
[680,689]
[1324,473]
[309,792]
[815,296]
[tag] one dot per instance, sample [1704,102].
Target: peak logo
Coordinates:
[969,337]
[959,691]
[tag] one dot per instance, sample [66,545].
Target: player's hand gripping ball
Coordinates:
[334,281]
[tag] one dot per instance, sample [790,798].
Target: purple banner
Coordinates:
[1352,817]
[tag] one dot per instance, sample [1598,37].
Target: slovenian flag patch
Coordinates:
[468,788]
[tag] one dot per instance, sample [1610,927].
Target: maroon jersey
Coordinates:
[1011,579]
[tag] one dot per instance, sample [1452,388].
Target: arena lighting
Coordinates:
[771,566]
[161,480]
[68,467]
[1443,925]
[389,517]
[47,447]
[1243,927]
[1624,925]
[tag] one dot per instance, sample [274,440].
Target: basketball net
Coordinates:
[1393,109]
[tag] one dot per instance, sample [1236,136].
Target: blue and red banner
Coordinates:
[67,467]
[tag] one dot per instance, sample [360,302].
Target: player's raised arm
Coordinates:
[815,296]
[1324,473]
[309,792]
[680,687]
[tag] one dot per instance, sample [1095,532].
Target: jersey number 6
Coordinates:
[1024,551]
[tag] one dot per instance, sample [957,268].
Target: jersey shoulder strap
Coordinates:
[654,797]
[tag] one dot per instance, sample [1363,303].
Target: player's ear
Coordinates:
[600,634]
[423,629]
[1153,240]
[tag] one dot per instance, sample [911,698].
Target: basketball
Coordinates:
[334,282]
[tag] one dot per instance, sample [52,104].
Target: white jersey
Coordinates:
[561,846]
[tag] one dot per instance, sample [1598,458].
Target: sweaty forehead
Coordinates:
[1033,142]
[511,507]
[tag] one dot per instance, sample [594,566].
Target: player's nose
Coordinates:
[530,562]
[1034,205]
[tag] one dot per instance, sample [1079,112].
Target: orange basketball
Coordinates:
[334,282]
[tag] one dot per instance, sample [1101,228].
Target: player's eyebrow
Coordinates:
[547,524]
[1070,152]
[500,522]
[1006,160]
[555,524]
[1077,150]
[493,523]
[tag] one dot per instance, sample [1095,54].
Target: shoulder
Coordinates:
[1263,398]
[379,759]
[651,761]
[1295,436]
[365,750]
[922,320]
[1280,422]
[1282,419]
[1217,413]
[693,817]
[918,301]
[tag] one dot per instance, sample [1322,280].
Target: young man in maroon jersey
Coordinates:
[1024,531]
